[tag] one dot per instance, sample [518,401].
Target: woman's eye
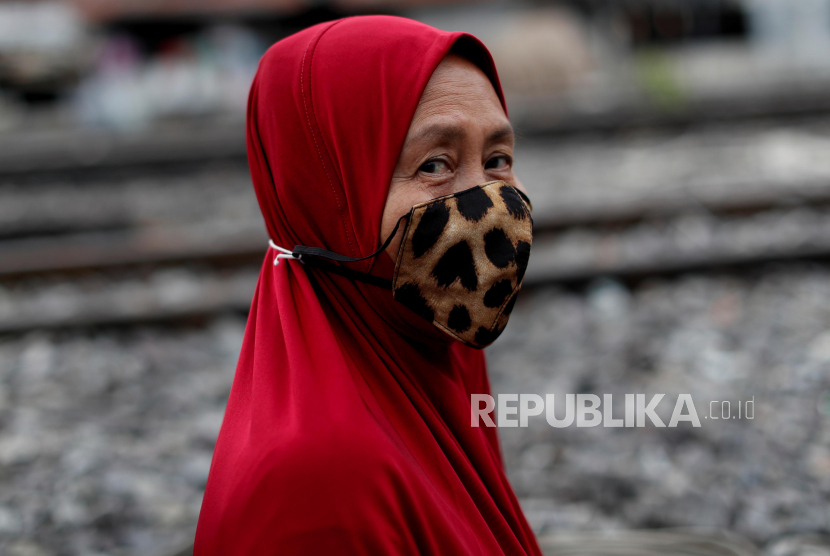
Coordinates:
[433,167]
[498,163]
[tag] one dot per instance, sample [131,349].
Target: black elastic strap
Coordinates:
[320,252]
[349,273]
[311,256]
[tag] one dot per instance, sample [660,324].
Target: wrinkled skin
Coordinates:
[459,138]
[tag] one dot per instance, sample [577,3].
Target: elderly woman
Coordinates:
[381,155]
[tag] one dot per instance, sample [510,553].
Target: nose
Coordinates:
[471,177]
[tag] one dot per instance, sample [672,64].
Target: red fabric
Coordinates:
[348,428]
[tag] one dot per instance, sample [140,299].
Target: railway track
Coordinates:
[217,265]
[56,154]
[117,240]
[85,222]
[51,153]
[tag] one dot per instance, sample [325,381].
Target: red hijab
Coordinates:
[348,428]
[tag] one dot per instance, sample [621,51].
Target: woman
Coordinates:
[348,428]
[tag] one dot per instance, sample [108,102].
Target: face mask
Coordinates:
[460,264]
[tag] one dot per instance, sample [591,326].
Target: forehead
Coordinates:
[459,91]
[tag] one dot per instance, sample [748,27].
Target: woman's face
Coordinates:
[459,138]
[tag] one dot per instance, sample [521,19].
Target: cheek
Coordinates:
[388,226]
[395,245]
[517,183]
[398,203]
[403,195]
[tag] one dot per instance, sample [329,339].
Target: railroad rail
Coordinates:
[644,238]
[128,219]
[84,152]
[62,152]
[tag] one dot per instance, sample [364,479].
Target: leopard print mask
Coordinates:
[461,261]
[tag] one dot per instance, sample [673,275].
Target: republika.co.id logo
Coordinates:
[588,410]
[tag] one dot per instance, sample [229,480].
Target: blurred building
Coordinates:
[127,63]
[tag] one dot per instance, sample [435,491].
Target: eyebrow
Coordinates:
[501,134]
[449,133]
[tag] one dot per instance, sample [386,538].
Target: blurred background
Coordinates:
[678,156]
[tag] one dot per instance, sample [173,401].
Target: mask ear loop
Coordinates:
[300,250]
[312,254]
[283,253]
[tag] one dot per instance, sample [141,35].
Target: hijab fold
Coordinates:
[347,430]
